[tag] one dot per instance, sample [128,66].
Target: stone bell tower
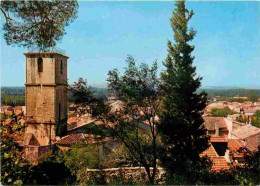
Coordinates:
[46,97]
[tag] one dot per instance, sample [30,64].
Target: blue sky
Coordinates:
[227,44]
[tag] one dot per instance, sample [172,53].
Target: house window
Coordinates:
[61,67]
[40,65]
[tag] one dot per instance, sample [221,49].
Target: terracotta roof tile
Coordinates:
[18,107]
[18,113]
[234,145]
[218,139]
[72,139]
[7,107]
[210,152]
[219,163]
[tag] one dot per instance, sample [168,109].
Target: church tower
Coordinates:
[46,97]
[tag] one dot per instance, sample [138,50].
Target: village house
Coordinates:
[235,106]
[6,109]
[237,97]
[257,105]
[249,111]
[227,137]
[248,134]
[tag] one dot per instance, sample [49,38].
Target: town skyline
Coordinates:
[226,45]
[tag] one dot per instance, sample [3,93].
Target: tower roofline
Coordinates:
[43,53]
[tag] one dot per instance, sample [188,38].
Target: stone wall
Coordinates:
[42,132]
[60,74]
[32,74]
[40,102]
[138,173]
[32,153]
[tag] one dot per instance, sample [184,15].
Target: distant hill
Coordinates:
[231,92]
[12,90]
[100,90]
[230,87]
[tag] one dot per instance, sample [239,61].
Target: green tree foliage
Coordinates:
[253,98]
[86,101]
[4,116]
[81,93]
[13,96]
[12,171]
[37,23]
[183,134]
[222,177]
[13,100]
[134,122]
[242,119]
[81,158]
[256,119]
[119,157]
[222,112]
[99,93]
[231,99]
[231,92]
[248,173]
[50,170]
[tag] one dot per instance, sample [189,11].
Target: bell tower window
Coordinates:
[61,67]
[40,65]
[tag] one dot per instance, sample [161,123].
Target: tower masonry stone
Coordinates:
[46,97]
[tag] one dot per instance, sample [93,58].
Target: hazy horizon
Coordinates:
[103,85]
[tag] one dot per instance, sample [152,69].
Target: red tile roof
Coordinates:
[210,152]
[219,163]
[72,139]
[234,145]
[7,107]
[18,108]
[218,139]
[18,113]
[79,138]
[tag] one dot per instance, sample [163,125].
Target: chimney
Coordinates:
[227,156]
[216,130]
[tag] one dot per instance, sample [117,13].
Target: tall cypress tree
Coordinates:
[181,126]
